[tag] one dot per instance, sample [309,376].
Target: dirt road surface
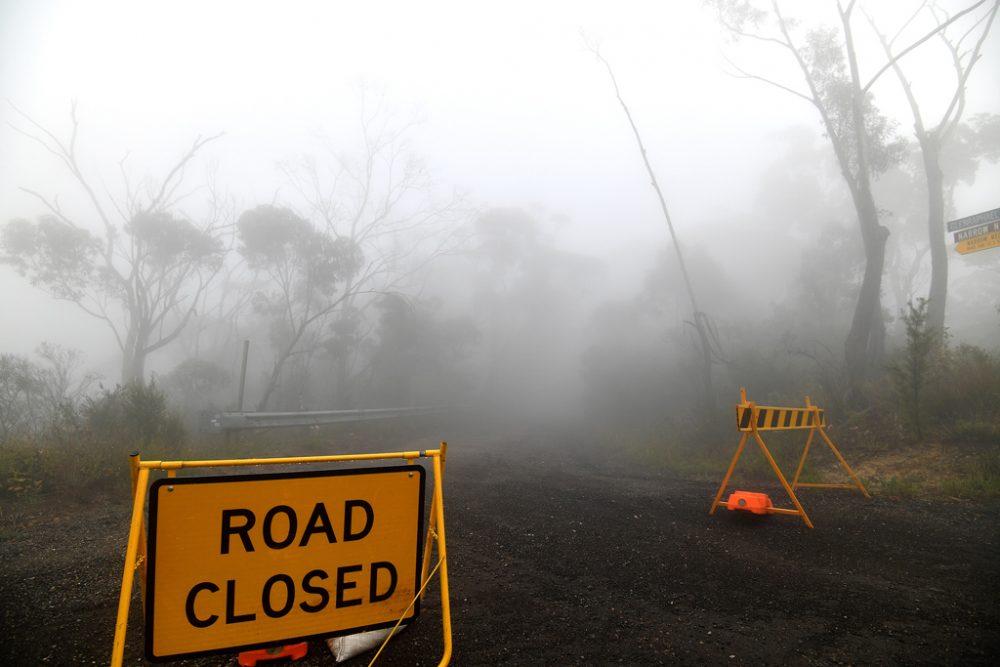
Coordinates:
[562,555]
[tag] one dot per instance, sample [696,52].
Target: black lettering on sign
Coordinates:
[193,618]
[349,534]
[308,587]
[265,597]
[243,530]
[343,585]
[231,615]
[373,594]
[268,527]
[319,522]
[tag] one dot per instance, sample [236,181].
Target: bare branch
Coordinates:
[957,106]
[53,207]
[173,177]
[743,74]
[914,45]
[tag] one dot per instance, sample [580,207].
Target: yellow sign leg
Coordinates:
[443,556]
[135,531]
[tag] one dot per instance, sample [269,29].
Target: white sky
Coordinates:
[516,109]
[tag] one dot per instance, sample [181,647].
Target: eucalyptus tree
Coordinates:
[934,134]
[707,341]
[143,271]
[303,276]
[378,195]
[828,61]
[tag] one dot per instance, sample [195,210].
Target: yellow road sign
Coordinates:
[975,244]
[242,561]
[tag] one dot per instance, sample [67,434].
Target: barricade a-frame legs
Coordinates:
[799,510]
[856,482]
[784,483]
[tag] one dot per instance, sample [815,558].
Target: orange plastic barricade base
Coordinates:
[292,651]
[749,501]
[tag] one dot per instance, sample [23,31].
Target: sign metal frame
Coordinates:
[137,558]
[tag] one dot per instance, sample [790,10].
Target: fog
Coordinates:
[499,240]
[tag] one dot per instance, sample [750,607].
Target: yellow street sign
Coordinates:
[243,561]
[977,243]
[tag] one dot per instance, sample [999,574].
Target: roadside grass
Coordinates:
[964,468]
[968,430]
[981,479]
[709,460]
[976,478]
[87,464]
[899,487]
[12,521]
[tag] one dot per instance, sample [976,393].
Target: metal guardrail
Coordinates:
[237,421]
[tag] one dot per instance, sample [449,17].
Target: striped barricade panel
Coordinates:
[778,419]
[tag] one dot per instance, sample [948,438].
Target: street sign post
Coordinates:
[974,220]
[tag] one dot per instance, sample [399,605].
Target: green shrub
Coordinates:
[21,469]
[917,364]
[967,396]
[84,453]
[135,415]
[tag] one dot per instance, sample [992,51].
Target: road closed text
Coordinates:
[346,586]
[256,559]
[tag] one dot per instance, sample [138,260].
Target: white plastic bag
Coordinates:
[348,646]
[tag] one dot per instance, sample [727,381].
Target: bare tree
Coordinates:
[144,274]
[861,137]
[305,274]
[933,135]
[379,198]
[699,320]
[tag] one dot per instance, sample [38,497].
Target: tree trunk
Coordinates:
[134,359]
[272,383]
[864,346]
[938,295]
[343,397]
